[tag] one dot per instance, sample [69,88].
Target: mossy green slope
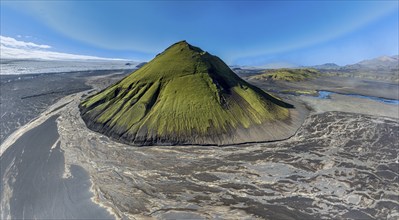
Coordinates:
[291,75]
[183,96]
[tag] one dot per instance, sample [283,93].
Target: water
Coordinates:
[326,95]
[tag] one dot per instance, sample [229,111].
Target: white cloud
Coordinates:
[11,42]
[11,48]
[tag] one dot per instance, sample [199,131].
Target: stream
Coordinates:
[326,94]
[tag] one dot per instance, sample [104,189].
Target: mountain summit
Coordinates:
[187,96]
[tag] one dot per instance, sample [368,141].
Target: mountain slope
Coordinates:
[187,96]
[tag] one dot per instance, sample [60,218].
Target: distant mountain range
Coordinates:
[383,62]
[385,68]
[379,63]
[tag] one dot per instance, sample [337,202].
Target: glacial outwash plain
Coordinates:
[307,143]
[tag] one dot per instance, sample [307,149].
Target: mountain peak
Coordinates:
[387,59]
[182,45]
[182,42]
[187,96]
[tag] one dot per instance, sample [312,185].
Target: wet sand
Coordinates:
[33,186]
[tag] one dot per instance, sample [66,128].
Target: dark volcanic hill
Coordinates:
[187,96]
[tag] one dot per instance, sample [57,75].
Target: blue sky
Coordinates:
[240,32]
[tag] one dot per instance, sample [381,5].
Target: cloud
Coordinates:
[10,48]
[13,43]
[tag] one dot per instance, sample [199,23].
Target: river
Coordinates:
[326,94]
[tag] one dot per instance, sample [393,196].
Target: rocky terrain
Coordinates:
[338,165]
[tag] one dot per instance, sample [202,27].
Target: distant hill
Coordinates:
[291,75]
[327,66]
[383,62]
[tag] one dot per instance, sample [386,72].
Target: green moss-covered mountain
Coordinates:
[290,75]
[186,96]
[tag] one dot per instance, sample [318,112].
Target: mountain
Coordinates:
[290,75]
[187,96]
[383,62]
[327,66]
[379,63]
